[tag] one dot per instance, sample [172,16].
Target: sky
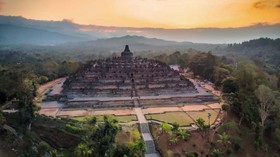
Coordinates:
[149,13]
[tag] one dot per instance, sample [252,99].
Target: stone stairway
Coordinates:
[146,134]
[150,147]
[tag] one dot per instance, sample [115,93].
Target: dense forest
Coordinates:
[263,51]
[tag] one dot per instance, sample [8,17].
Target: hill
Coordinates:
[13,35]
[263,50]
[197,35]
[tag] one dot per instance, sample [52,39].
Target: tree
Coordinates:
[266,102]
[201,124]
[43,147]
[136,135]
[82,150]
[219,75]
[137,147]
[104,136]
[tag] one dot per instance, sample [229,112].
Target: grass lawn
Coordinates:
[122,119]
[204,115]
[171,117]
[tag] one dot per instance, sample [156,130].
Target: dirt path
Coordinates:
[43,88]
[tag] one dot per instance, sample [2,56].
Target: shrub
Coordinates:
[225,107]
[43,147]
[73,129]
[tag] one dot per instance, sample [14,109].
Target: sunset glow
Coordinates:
[149,13]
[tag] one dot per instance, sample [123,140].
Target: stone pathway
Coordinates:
[146,134]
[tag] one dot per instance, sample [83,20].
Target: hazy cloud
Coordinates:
[263,4]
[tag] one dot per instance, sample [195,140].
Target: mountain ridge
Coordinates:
[197,35]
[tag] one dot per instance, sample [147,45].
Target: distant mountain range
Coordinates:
[19,30]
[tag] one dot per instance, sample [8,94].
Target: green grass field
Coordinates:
[122,119]
[182,118]
[171,117]
[204,115]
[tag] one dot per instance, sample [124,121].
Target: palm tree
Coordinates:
[83,151]
[224,139]
[183,134]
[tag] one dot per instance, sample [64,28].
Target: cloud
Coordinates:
[264,4]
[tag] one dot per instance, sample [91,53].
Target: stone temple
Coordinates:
[119,81]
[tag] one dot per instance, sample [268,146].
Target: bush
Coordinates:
[225,107]
[43,147]
[73,129]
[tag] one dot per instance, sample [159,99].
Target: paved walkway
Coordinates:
[146,134]
[203,93]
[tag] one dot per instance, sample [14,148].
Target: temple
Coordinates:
[126,53]
[121,79]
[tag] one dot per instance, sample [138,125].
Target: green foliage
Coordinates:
[219,75]
[183,134]
[43,147]
[230,85]
[217,153]
[266,102]
[121,150]
[203,64]
[175,127]
[54,153]
[82,150]
[73,129]
[136,135]
[165,127]
[201,123]
[225,107]
[136,148]
[104,136]
[230,126]
[92,120]
[224,139]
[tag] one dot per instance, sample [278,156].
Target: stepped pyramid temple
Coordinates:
[119,81]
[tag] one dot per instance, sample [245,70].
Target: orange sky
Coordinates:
[149,13]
